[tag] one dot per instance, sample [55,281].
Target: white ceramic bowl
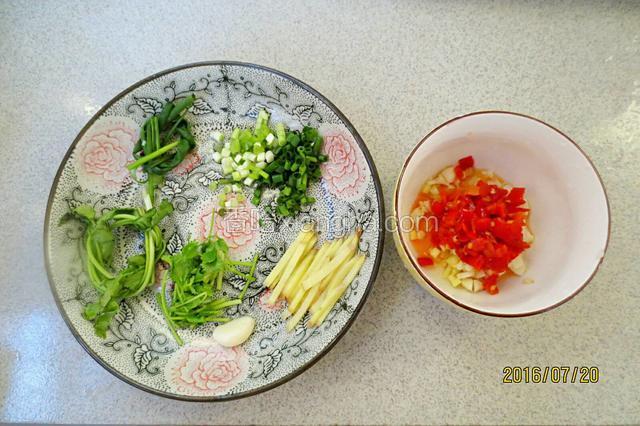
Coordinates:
[569,207]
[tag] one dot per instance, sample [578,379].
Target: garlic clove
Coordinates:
[464,275]
[517,265]
[235,332]
[467,283]
[527,236]
[449,175]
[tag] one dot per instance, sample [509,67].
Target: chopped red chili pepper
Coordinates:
[492,289]
[490,284]
[466,162]
[516,196]
[425,261]
[481,223]
[459,172]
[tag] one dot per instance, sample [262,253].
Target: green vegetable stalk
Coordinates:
[99,242]
[165,139]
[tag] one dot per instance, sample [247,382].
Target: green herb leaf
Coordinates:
[197,272]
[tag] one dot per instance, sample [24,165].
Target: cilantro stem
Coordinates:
[238,263]
[228,303]
[219,283]
[235,271]
[213,220]
[186,302]
[150,262]
[221,319]
[94,279]
[162,300]
[151,156]
[124,216]
[254,264]
[198,321]
[151,258]
[96,264]
[244,289]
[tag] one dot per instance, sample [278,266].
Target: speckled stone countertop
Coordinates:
[396,70]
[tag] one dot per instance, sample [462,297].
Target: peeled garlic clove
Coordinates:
[235,332]
[527,236]
[468,284]
[453,260]
[464,275]
[517,265]
[454,281]
[449,175]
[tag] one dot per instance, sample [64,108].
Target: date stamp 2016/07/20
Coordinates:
[550,374]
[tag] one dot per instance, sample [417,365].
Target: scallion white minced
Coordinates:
[242,161]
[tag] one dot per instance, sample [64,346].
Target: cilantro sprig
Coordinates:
[197,272]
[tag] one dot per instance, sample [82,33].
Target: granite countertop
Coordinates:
[396,70]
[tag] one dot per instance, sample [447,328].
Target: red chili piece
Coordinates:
[483,226]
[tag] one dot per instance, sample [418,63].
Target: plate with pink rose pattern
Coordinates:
[139,348]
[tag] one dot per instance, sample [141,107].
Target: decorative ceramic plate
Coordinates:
[139,348]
